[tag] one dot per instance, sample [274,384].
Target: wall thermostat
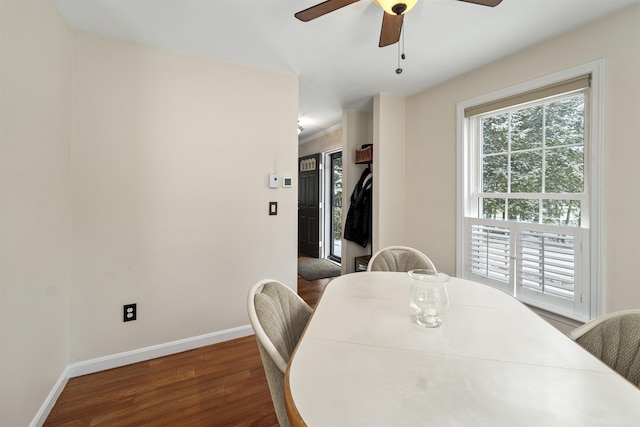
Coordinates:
[273,180]
[287,181]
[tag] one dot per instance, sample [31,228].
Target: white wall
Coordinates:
[35,209]
[431,142]
[171,154]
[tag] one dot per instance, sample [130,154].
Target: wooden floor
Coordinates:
[218,385]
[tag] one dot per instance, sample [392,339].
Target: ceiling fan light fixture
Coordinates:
[396,7]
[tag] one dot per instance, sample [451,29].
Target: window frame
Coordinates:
[593,265]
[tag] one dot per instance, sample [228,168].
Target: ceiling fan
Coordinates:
[394,11]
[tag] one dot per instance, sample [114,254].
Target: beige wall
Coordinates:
[321,144]
[170,194]
[126,177]
[35,210]
[431,144]
[388,158]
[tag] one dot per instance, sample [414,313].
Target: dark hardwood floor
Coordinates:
[218,385]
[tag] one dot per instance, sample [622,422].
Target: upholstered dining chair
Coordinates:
[399,258]
[615,339]
[278,317]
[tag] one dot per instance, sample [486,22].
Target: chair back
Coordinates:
[615,339]
[278,317]
[399,258]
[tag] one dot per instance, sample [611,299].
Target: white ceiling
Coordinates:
[336,56]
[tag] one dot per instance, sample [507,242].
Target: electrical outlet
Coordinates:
[129,312]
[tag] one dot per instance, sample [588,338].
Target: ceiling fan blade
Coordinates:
[391,29]
[322,9]
[490,3]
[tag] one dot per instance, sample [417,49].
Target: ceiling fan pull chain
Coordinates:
[401,54]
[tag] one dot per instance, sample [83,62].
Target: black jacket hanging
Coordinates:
[357,227]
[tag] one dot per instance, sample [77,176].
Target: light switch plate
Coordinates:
[273,208]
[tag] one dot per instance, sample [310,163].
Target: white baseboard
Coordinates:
[140,355]
[51,399]
[160,350]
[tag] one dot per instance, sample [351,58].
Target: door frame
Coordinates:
[325,204]
[310,165]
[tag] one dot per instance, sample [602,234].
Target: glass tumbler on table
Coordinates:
[428,296]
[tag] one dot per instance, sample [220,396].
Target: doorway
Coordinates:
[320,206]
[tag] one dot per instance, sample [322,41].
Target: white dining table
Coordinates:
[363,361]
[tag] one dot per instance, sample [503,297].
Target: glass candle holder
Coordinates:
[428,296]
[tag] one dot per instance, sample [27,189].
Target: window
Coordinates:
[529,194]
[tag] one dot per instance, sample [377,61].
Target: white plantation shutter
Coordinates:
[547,262]
[547,271]
[490,251]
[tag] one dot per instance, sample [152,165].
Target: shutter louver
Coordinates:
[490,252]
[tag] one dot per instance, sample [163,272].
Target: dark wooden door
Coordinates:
[309,205]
